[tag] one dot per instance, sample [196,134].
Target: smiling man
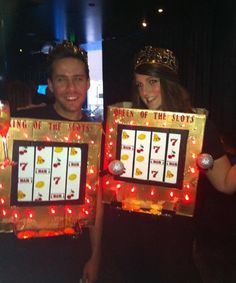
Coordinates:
[68,80]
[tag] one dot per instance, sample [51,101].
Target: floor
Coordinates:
[135,250]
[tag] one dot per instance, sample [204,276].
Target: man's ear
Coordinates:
[50,85]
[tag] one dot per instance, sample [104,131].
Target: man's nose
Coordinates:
[71,84]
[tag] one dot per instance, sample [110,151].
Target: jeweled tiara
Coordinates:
[72,48]
[155,55]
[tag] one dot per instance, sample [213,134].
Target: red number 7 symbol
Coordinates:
[173,141]
[56,179]
[23,165]
[154,173]
[156,148]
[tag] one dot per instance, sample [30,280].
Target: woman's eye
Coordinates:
[138,85]
[154,81]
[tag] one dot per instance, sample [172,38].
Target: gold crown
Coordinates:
[76,50]
[154,55]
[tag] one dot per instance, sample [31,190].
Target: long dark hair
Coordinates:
[174,96]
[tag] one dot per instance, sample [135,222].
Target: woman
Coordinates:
[157,87]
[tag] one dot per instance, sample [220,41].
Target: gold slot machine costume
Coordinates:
[160,154]
[50,194]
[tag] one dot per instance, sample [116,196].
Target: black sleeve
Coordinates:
[33,112]
[21,113]
[212,143]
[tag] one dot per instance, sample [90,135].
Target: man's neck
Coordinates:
[72,116]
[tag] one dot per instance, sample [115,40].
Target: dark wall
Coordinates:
[201,33]
[204,41]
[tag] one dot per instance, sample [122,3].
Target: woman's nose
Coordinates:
[146,89]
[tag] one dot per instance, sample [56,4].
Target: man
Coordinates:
[68,80]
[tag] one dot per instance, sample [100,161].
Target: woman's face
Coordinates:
[149,90]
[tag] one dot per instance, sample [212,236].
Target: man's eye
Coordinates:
[78,79]
[59,80]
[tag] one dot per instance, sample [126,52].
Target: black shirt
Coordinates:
[50,260]
[46,112]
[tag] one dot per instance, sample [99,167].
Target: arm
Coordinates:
[223,175]
[91,267]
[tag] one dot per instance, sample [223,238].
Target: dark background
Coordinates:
[201,33]
[203,36]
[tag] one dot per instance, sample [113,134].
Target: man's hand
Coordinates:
[90,272]
[91,267]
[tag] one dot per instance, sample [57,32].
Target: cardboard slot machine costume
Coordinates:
[52,188]
[152,157]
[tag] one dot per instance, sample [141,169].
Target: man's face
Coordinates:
[69,84]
